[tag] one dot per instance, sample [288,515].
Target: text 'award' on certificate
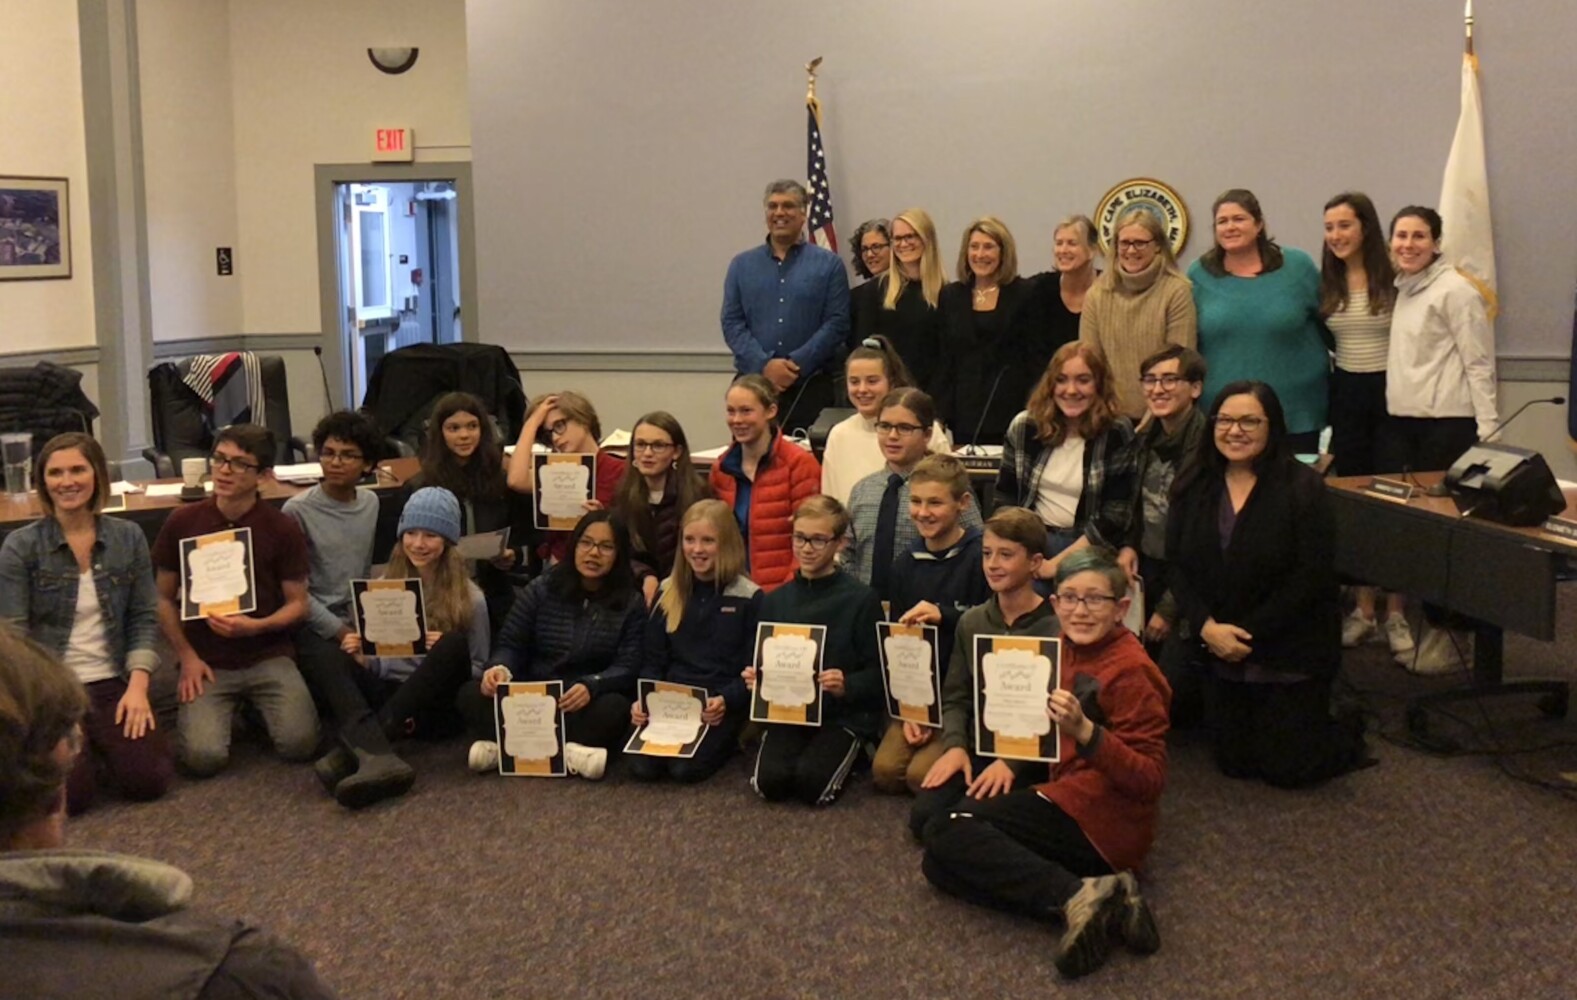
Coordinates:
[1014,678]
[674,727]
[530,729]
[911,673]
[216,575]
[390,616]
[788,674]
[563,487]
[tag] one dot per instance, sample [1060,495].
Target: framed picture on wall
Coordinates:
[35,228]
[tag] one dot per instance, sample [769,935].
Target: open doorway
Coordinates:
[394,254]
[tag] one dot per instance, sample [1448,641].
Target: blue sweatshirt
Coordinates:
[952,580]
[714,643]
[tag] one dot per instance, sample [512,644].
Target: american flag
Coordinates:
[819,219]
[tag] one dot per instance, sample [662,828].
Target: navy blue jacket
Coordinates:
[714,643]
[585,642]
[951,580]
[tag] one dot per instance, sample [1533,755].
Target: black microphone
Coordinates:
[1557,400]
[974,439]
[328,397]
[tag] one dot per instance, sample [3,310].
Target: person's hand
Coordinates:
[947,765]
[1128,559]
[1228,642]
[832,682]
[781,372]
[638,716]
[1157,628]
[576,698]
[993,781]
[233,626]
[492,678]
[350,644]
[917,735]
[712,713]
[1064,709]
[133,714]
[587,506]
[749,674]
[194,674]
[504,560]
[1048,568]
[539,412]
[649,590]
[924,613]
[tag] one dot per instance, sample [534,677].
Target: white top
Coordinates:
[87,649]
[1441,361]
[1061,483]
[1362,338]
[853,453]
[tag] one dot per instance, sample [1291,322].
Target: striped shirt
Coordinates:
[1362,338]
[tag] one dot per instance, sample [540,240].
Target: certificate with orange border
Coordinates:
[217,577]
[561,485]
[911,672]
[530,727]
[1014,678]
[675,728]
[788,673]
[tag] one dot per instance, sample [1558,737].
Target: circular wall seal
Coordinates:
[1143,192]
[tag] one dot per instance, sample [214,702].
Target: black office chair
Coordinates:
[183,428]
[826,420]
[44,400]
[407,382]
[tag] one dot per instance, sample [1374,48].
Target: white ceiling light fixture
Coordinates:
[392,60]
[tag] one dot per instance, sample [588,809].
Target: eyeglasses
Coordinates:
[1167,382]
[816,543]
[1091,602]
[907,239]
[1247,424]
[336,457]
[1133,244]
[883,427]
[871,248]
[655,447]
[219,461]
[558,427]
[589,545]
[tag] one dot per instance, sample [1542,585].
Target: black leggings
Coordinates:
[804,763]
[1282,734]
[423,703]
[345,688]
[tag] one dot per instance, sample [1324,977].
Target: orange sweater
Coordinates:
[787,475]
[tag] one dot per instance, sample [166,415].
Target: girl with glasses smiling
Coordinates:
[853,448]
[658,486]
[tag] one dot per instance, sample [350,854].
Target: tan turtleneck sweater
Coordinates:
[1131,316]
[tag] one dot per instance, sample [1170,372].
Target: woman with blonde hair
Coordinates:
[903,302]
[1066,456]
[702,630]
[1140,305]
[1062,294]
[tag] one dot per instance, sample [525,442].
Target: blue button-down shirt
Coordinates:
[795,308]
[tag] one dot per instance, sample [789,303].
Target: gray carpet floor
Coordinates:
[1425,877]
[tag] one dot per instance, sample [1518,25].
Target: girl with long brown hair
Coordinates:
[658,486]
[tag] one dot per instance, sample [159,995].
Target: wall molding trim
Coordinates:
[624,361]
[68,356]
[258,343]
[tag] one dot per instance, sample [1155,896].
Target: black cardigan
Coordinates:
[913,328]
[968,365]
[1277,577]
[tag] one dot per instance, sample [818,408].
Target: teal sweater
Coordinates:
[1266,328]
[850,610]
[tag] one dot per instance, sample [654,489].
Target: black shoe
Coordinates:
[334,767]
[378,777]
[1093,915]
[1137,926]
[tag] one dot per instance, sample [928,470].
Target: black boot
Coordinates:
[334,767]
[377,777]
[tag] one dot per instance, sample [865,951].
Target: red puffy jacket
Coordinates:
[787,474]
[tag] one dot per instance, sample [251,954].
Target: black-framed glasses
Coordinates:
[907,239]
[1134,244]
[655,447]
[1247,424]
[883,427]
[1167,382]
[219,461]
[601,548]
[871,248]
[816,543]
[1091,602]
[336,457]
[558,426]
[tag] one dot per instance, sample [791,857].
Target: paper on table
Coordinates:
[709,454]
[170,489]
[122,488]
[301,472]
[617,438]
[1016,686]
[483,545]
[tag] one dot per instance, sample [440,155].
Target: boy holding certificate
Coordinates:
[1068,846]
[811,763]
[228,658]
[934,583]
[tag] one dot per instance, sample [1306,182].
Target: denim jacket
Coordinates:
[38,588]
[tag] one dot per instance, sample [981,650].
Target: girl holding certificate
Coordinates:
[416,694]
[811,763]
[658,487]
[567,423]
[1066,847]
[81,585]
[579,623]
[703,628]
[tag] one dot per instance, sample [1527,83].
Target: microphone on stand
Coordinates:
[974,438]
[328,397]
[1440,489]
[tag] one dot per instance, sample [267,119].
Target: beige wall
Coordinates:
[41,136]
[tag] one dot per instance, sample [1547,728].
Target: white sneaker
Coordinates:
[588,762]
[1440,651]
[483,756]
[1357,630]
[1398,634]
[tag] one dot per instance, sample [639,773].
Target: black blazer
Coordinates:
[913,328]
[969,366]
[1277,576]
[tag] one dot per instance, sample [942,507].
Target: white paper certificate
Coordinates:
[788,669]
[216,574]
[530,729]
[1014,678]
[484,544]
[390,616]
[911,670]
[674,727]
[564,484]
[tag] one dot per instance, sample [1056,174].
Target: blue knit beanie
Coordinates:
[434,509]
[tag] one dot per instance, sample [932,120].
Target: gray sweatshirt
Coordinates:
[339,547]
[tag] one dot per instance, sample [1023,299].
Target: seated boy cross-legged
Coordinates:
[1068,846]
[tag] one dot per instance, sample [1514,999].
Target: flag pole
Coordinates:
[1467,17]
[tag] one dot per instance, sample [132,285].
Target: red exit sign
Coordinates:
[393,144]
